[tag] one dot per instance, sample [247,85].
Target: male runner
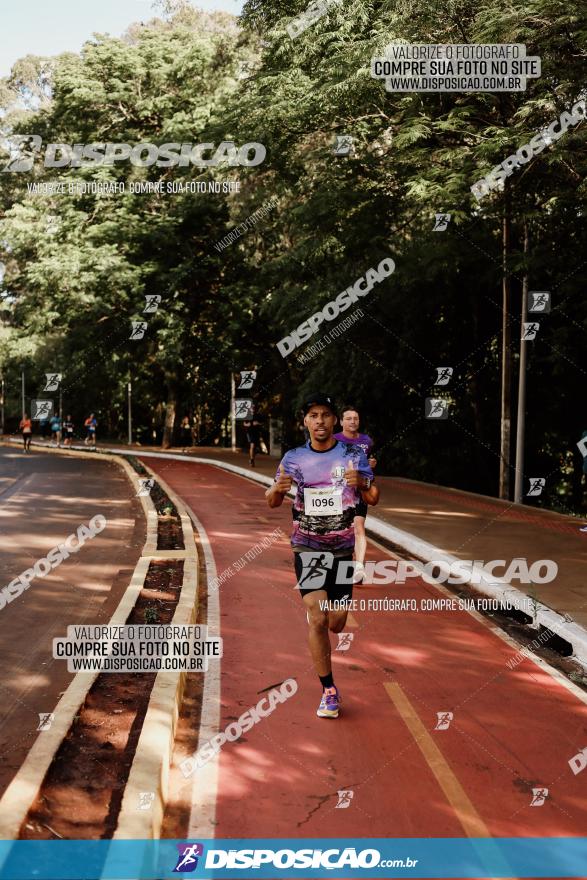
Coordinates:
[331,478]
[68,427]
[253,429]
[350,434]
[90,425]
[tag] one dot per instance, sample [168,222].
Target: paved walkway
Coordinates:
[43,499]
[472,526]
[437,732]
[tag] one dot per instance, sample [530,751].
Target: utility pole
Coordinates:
[506,355]
[60,432]
[129,409]
[521,425]
[22,390]
[232,412]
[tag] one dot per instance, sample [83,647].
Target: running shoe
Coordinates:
[359,573]
[329,703]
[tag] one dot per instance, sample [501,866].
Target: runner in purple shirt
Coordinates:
[350,434]
[331,479]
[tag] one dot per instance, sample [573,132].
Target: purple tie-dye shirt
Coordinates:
[309,468]
[362,440]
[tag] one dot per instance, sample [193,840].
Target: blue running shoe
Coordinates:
[329,703]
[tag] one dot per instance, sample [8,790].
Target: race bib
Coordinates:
[325,501]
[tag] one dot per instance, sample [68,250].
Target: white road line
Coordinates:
[202,821]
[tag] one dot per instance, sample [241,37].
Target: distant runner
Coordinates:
[55,430]
[68,427]
[26,426]
[90,425]
[253,429]
[331,477]
[350,434]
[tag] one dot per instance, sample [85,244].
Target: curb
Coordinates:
[496,588]
[152,759]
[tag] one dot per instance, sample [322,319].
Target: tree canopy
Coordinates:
[78,266]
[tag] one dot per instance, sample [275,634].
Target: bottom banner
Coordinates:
[293,857]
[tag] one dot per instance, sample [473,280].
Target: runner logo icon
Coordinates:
[531,328]
[187,860]
[344,641]
[314,569]
[138,329]
[436,408]
[444,375]
[540,301]
[41,409]
[539,795]
[52,381]
[444,719]
[441,222]
[247,379]
[537,484]
[344,799]
[152,302]
[46,719]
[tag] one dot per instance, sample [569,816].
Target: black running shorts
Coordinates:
[314,571]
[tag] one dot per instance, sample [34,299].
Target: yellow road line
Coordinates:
[472,823]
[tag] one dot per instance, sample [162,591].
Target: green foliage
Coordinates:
[78,267]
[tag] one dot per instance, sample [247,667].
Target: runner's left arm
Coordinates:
[371,455]
[360,477]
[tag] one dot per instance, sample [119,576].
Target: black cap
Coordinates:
[318,399]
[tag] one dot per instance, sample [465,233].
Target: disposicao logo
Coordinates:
[332,309]
[141,155]
[187,860]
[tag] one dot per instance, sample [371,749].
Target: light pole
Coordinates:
[129,412]
[521,424]
[22,390]
[2,406]
[232,413]
[506,355]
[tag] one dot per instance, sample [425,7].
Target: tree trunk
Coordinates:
[169,421]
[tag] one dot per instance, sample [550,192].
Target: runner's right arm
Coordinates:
[277,492]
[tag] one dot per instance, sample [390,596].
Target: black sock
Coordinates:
[326,680]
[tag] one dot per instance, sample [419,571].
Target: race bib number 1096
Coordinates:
[325,501]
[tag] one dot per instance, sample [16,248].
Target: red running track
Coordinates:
[512,729]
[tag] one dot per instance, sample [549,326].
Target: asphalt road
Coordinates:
[43,499]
